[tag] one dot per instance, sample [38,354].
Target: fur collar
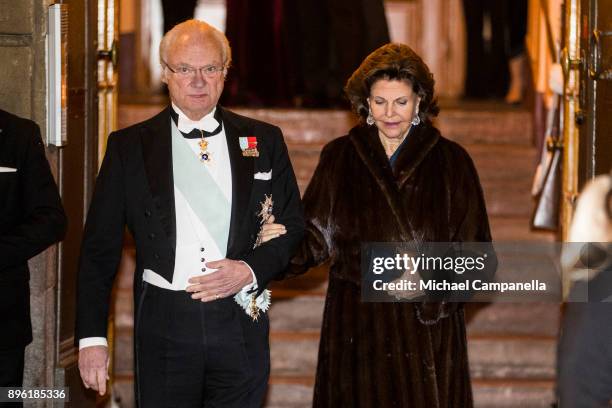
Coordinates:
[371,152]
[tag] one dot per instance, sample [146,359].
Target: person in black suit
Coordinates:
[31,219]
[193,185]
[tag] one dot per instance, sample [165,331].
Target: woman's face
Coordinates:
[393,105]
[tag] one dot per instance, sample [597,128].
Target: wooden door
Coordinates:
[77,171]
[92,101]
[108,40]
[108,99]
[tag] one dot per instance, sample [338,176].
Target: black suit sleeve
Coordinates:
[270,259]
[44,221]
[102,245]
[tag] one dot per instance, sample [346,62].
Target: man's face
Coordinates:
[193,90]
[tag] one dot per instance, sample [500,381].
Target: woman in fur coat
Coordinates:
[393,178]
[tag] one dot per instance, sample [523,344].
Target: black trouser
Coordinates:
[11,371]
[192,354]
[487,67]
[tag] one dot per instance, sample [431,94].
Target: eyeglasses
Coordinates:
[185,71]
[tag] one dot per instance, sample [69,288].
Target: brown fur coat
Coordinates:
[383,354]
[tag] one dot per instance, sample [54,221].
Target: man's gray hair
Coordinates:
[203,29]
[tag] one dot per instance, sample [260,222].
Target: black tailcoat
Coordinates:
[135,188]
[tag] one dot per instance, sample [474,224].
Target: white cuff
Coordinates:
[251,287]
[92,341]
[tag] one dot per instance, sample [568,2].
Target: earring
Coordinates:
[370,118]
[416,120]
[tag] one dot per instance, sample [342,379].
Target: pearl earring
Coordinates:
[370,118]
[416,120]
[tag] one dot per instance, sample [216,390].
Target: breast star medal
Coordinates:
[266,209]
[264,214]
[205,156]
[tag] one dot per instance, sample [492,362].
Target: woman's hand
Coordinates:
[407,294]
[270,230]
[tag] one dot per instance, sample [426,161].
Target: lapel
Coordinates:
[243,169]
[3,133]
[7,127]
[3,123]
[157,154]
[371,152]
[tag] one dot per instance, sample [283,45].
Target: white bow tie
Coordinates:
[208,123]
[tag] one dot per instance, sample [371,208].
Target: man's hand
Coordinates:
[93,366]
[231,276]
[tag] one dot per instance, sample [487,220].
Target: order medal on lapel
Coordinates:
[248,145]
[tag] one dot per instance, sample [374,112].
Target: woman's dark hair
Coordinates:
[392,61]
